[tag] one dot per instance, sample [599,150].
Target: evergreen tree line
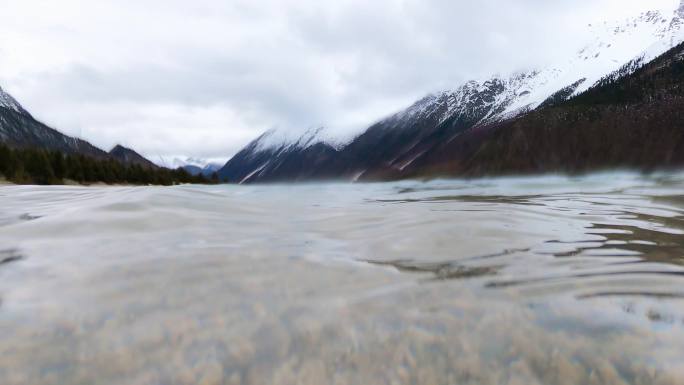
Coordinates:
[39,166]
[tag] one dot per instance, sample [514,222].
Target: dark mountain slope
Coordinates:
[319,161]
[19,129]
[208,171]
[130,157]
[192,170]
[393,144]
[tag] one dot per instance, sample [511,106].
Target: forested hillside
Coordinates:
[38,166]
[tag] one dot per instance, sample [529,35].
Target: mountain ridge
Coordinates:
[633,121]
[128,156]
[19,129]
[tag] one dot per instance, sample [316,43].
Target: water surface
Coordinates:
[548,280]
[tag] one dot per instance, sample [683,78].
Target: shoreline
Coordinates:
[424,178]
[71,183]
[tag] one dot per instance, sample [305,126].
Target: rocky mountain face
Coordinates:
[458,119]
[129,157]
[9,103]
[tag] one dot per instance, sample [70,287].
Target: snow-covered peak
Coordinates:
[196,166]
[482,100]
[7,101]
[661,28]
[189,161]
[279,140]
[613,45]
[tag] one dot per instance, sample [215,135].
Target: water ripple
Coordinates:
[527,280]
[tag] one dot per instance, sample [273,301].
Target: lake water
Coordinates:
[548,280]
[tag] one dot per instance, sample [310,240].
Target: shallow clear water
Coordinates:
[548,280]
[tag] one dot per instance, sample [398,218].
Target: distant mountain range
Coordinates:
[196,166]
[453,132]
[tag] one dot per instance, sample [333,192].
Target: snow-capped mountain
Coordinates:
[196,166]
[616,49]
[275,152]
[614,45]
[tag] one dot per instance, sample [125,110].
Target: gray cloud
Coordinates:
[202,79]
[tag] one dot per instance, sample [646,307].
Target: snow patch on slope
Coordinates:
[640,39]
[637,40]
[281,138]
[251,174]
[279,141]
[7,101]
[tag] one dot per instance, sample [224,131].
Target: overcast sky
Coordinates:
[204,77]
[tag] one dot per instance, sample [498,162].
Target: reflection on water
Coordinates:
[547,280]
